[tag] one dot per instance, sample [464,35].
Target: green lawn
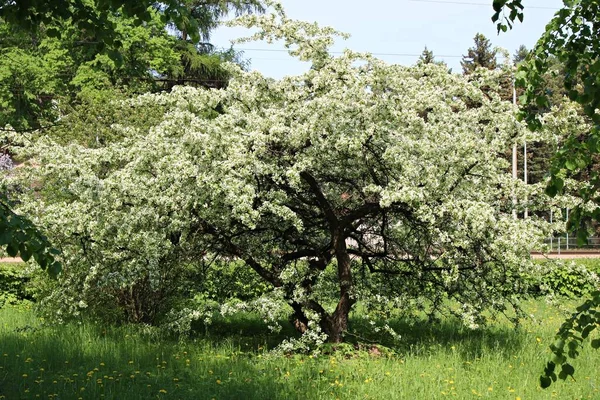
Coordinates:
[433,362]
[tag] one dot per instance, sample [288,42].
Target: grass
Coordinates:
[231,360]
[433,362]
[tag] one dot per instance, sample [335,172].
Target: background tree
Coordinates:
[481,55]
[44,77]
[520,54]
[194,17]
[427,57]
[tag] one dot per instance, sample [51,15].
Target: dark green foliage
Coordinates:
[514,8]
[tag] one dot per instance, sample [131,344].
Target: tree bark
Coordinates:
[335,325]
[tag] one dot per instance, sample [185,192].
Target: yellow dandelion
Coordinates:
[162,391]
[24,375]
[218,381]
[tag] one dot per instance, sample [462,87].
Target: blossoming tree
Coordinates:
[356,181]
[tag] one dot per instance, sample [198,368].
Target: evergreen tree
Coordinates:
[521,54]
[481,55]
[426,57]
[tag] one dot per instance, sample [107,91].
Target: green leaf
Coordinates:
[497,5]
[54,269]
[12,249]
[116,56]
[5,237]
[25,251]
[595,344]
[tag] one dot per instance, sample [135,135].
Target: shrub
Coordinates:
[571,279]
[14,284]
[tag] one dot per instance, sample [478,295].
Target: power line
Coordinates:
[341,52]
[466,3]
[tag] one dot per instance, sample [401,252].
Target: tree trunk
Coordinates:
[298,318]
[335,325]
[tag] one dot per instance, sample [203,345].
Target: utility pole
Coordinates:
[525,173]
[514,155]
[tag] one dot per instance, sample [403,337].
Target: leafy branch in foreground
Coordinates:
[571,40]
[570,338]
[22,238]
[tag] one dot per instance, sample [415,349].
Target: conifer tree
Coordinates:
[481,55]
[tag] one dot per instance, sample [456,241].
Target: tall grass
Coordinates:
[232,361]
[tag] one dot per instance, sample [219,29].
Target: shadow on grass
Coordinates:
[422,337]
[86,361]
[226,360]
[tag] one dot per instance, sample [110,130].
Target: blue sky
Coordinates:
[404,27]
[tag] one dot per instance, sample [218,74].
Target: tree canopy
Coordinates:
[357,180]
[194,17]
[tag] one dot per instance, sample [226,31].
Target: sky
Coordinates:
[396,31]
